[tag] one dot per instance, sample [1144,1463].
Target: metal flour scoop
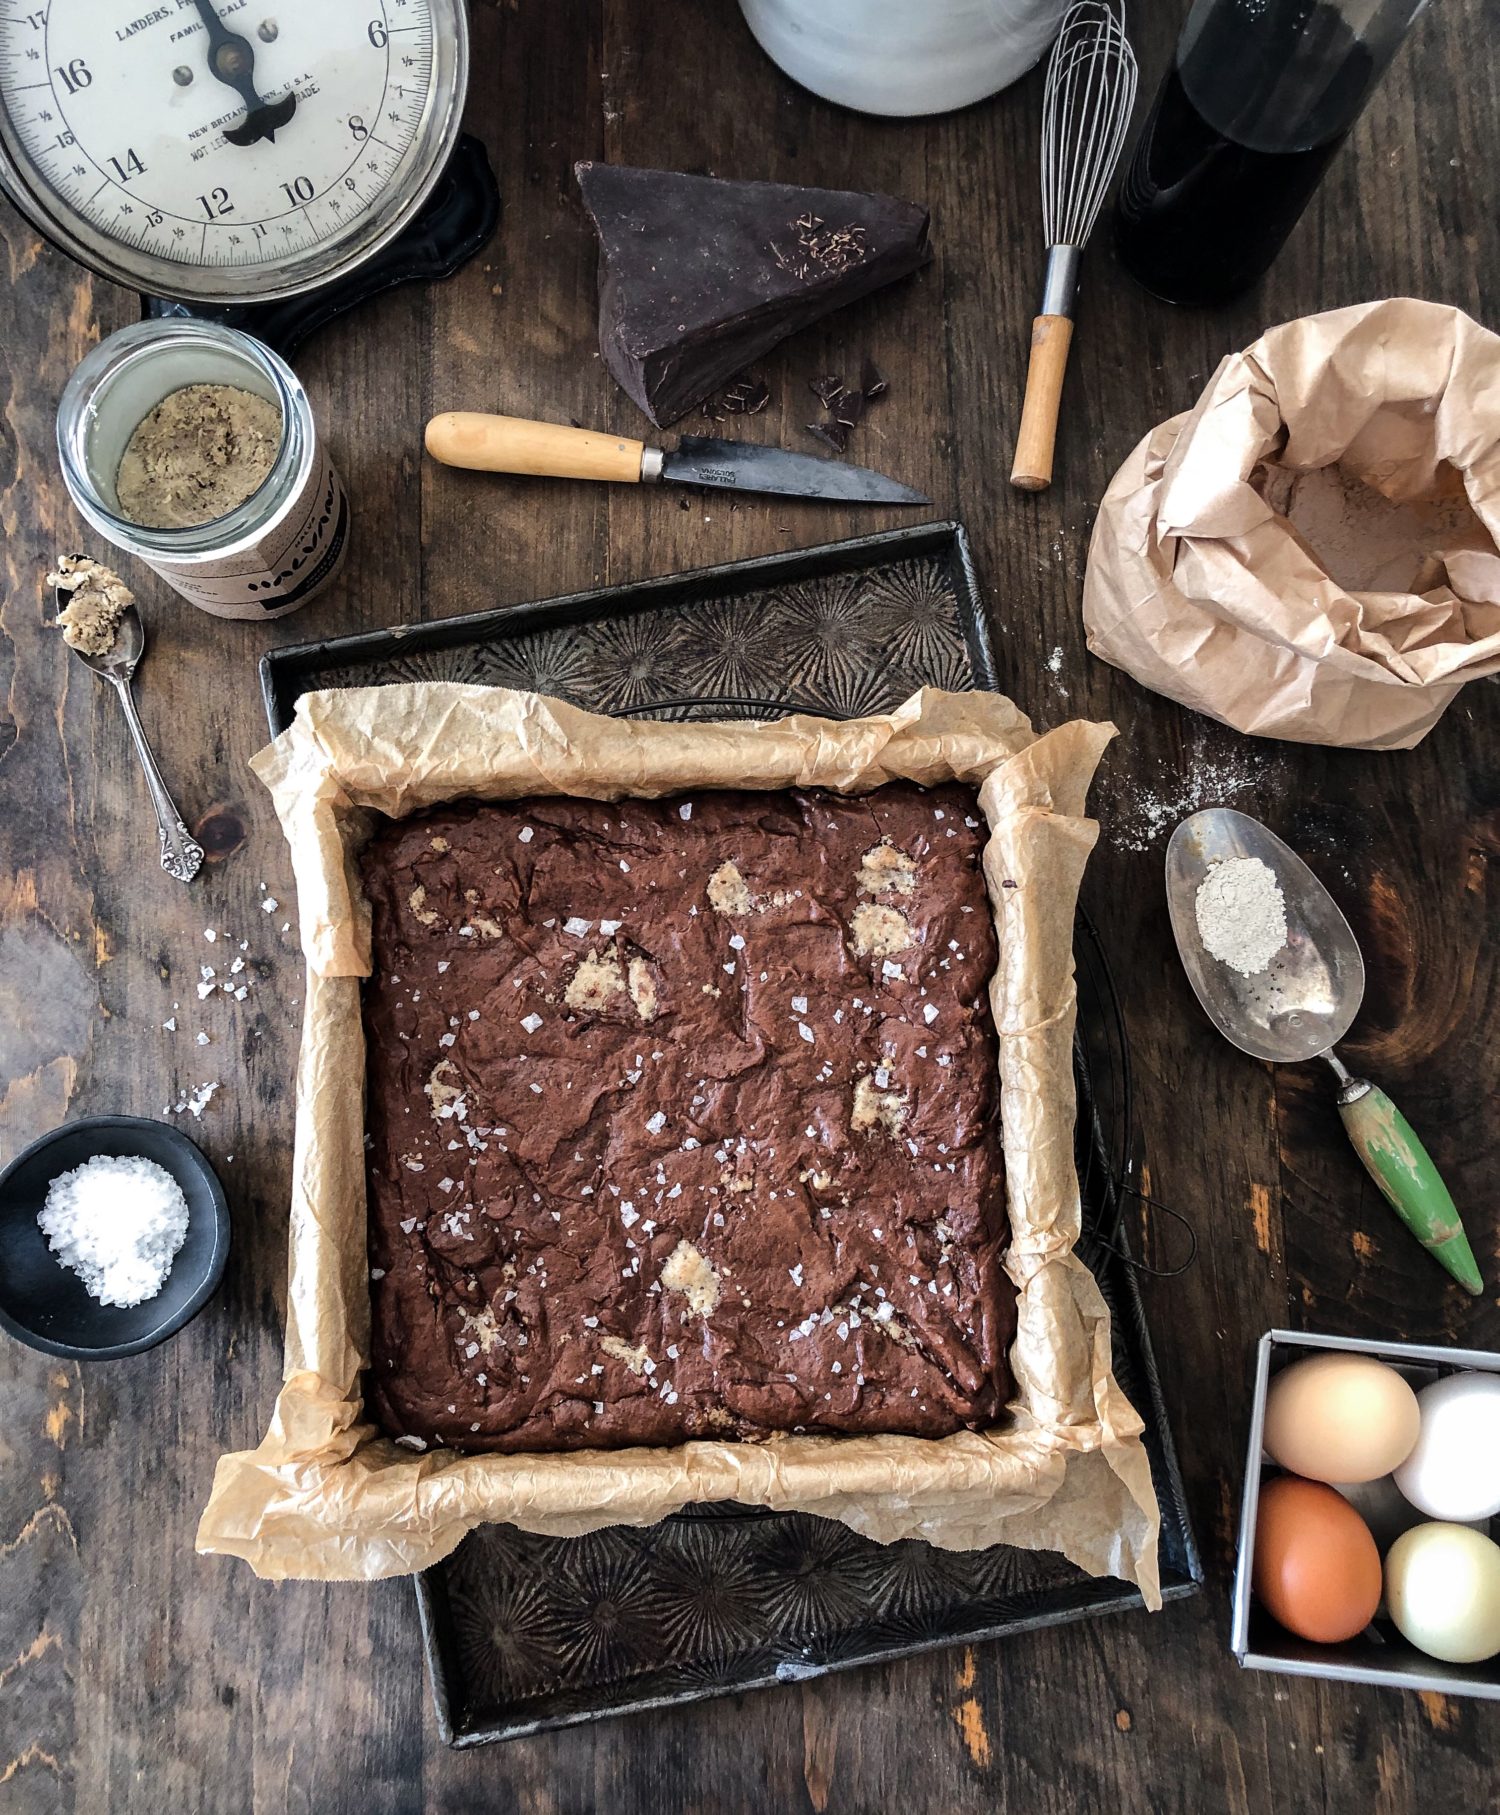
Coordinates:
[1300,1006]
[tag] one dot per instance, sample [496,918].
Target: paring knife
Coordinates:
[510,444]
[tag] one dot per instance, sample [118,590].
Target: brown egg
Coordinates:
[1316,1570]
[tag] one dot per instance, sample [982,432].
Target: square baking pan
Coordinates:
[524,1632]
[843,630]
[1379,1655]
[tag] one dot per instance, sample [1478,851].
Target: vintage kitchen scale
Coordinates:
[269,168]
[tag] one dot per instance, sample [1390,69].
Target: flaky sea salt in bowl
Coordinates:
[46,1260]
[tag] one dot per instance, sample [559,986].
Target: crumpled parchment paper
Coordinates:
[326,1496]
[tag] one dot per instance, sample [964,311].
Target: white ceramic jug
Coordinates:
[904,57]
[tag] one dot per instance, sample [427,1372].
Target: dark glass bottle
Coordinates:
[1260,95]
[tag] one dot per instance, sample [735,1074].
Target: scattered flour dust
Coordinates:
[117,1222]
[1241,914]
[1143,811]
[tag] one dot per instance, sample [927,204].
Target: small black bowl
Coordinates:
[44,1304]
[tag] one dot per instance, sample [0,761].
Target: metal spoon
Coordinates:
[1300,1006]
[181,856]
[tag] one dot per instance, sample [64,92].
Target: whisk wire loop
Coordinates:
[1091,88]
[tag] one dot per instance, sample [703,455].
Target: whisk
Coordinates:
[1091,81]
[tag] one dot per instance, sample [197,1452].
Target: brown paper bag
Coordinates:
[1313,552]
[325,1495]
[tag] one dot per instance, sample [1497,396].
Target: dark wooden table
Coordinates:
[134,1675]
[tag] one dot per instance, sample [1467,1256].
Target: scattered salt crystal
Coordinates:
[531,1022]
[656,1123]
[799,1005]
[577,925]
[685,811]
[805,1031]
[890,969]
[236,967]
[241,993]
[624,866]
[736,942]
[442,966]
[170,1026]
[610,927]
[209,934]
[202,1040]
[270,905]
[193,1102]
[525,834]
[416,1443]
[930,1014]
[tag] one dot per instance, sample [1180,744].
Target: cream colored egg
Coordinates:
[1442,1588]
[1340,1418]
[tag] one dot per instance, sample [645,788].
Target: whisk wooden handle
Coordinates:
[1051,336]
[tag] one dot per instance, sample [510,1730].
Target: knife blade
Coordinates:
[749,466]
[510,444]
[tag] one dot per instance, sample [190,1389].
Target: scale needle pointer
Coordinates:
[231,59]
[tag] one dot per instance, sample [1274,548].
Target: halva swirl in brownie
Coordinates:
[684,1121]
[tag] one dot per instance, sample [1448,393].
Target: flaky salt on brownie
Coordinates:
[684,1121]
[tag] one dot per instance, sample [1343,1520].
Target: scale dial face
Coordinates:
[227,150]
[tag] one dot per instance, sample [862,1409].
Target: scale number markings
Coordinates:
[116,115]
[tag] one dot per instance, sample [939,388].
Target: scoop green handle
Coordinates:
[1410,1183]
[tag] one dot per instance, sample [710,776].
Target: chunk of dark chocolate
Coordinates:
[699,276]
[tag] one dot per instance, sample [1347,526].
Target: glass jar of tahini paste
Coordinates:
[265,557]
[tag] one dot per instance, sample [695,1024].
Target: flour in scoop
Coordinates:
[1241,914]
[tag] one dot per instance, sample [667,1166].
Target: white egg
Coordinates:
[1453,1473]
[1442,1588]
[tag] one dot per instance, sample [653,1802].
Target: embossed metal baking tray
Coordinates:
[524,1632]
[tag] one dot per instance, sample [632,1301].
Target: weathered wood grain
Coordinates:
[134,1675]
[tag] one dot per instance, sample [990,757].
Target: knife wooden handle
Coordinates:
[1051,336]
[510,444]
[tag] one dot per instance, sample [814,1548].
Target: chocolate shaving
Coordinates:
[832,434]
[821,248]
[850,407]
[827,390]
[745,397]
[872,381]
